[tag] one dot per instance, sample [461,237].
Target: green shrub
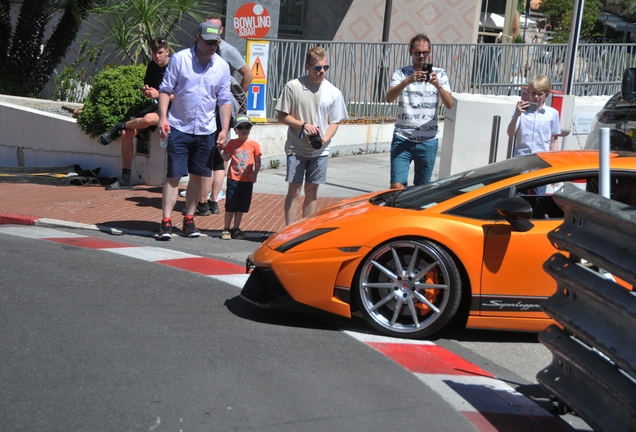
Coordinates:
[114,97]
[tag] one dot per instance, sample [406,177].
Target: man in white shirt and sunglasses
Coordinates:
[312,107]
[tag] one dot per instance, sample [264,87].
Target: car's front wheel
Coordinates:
[408,288]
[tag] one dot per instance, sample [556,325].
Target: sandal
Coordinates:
[225,235]
[110,135]
[237,234]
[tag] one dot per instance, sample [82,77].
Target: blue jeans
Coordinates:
[423,155]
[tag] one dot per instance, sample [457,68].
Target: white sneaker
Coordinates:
[183,193]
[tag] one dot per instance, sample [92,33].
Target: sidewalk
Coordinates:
[138,210]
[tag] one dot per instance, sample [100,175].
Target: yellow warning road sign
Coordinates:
[257,69]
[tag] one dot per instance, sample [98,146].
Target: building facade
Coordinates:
[451,21]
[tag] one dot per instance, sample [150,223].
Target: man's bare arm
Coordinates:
[248,76]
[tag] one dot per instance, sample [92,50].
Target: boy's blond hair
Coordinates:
[540,83]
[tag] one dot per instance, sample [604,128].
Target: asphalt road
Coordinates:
[96,341]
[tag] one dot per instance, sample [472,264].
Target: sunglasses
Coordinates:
[420,53]
[159,41]
[211,42]
[319,68]
[244,127]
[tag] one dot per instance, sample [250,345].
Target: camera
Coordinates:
[532,107]
[315,141]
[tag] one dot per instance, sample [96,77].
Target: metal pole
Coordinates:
[511,147]
[526,25]
[494,139]
[382,72]
[603,160]
[604,176]
[573,44]
[386,29]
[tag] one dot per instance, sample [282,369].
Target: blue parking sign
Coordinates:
[256,100]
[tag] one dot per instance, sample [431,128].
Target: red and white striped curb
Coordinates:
[487,402]
[217,269]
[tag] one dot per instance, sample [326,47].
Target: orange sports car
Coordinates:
[469,247]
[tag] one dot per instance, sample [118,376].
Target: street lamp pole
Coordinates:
[573,45]
[525,27]
[386,30]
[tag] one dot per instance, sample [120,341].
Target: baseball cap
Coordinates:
[209,31]
[241,119]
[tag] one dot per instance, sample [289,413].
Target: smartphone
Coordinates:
[428,68]
[532,107]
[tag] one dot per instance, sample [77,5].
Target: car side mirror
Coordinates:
[517,212]
[628,85]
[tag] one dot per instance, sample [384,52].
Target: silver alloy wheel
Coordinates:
[408,287]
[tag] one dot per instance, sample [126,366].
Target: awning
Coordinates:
[491,20]
[522,22]
[617,23]
[496,21]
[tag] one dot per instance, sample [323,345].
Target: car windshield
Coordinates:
[422,197]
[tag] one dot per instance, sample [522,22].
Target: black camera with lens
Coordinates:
[315,141]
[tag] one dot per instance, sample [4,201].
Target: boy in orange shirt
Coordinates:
[245,162]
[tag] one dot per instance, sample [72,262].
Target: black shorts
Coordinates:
[215,163]
[238,196]
[147,110]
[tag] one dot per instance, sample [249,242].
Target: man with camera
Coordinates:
[312,107]
[418,89]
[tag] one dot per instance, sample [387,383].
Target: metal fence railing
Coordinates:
[362,70]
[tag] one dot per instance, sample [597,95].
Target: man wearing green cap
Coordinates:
[199,79]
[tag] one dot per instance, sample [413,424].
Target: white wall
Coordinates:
[31,137]
[468,129]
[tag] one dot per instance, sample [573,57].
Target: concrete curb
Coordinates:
[18,219]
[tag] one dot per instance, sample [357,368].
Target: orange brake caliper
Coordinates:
[430,294]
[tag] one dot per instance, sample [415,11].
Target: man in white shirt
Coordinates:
[312,107]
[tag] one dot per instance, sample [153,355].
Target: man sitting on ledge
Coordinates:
[147,118]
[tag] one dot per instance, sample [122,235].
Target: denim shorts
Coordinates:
[423,155]
[189,154]
[312,170]
[238,196]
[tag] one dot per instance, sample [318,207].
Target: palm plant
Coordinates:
[30,59]
[131,25]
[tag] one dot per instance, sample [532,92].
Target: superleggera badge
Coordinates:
[508,305]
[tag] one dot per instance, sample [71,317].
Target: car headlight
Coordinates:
[302,239]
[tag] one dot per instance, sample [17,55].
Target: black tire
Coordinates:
[423,308]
